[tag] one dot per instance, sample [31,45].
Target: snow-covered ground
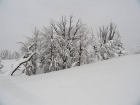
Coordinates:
[111,82]
[7,65]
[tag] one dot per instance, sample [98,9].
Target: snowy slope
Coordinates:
[110,82]
[7,65]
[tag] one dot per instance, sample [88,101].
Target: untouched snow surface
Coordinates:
[110,82]
[7,65]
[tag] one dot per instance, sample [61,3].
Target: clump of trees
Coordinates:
[65,44]
[8,55]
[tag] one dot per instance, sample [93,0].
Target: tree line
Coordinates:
[8,55]
[65,44]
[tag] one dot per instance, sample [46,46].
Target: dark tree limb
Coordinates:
[22,63]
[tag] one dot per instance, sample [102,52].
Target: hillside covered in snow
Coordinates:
[110,82]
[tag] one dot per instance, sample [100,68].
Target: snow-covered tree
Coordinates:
[82,46]
[110,42]
[68,36]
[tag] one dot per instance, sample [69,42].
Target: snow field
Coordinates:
[110,82]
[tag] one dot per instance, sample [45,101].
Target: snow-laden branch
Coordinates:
[23,60]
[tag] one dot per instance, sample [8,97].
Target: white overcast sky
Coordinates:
[19,17]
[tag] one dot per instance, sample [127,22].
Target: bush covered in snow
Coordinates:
[64,45]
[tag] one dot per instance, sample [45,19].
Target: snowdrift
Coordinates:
[7,65]
[111,82]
